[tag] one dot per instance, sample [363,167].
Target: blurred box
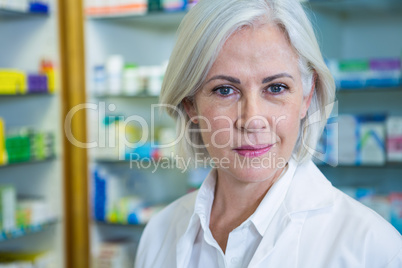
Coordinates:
[384,73]
[371,144]
[366,73]
[7,208]
[37,83]
[348,140]
[154,5]
[112,255]
[174,5]
[353,73]
[394,138]
[12,82]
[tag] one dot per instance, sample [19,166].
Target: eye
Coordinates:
[277,88]
[224,91]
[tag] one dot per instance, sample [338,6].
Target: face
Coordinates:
[251,103]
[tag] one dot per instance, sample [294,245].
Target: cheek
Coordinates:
[218,128]
[287,128]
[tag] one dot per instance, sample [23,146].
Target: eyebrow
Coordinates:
[225,77]
[237,81]
[276,76]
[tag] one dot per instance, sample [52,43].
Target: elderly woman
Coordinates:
[252,92]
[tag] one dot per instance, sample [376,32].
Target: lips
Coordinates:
[253,150]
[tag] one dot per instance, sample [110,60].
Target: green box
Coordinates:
[354,65]
[155,5]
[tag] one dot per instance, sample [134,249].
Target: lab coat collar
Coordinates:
[196,207]
[186,229]
[269,205]
[308,190]
[205,197]
[265,211]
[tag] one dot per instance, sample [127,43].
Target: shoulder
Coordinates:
[370,224]
[161,232]
[379,241]
[177,210]
[347,225]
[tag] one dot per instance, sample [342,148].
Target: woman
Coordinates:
[252,92]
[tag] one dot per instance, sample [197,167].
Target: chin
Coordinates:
[249,169]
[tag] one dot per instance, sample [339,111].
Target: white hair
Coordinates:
[201,35]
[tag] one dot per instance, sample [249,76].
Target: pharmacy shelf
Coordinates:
[27,38]
[356,7]
[146,40]
[28,162]
[144,163]
[379,101]
[119,224]
[152,19]
[116,161]
[6,12]
[24,231]
[371,89]
[38,94]
[391,165]
[382,180]
[122,96]
[110,161]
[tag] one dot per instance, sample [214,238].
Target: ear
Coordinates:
[307,99]
[189,107]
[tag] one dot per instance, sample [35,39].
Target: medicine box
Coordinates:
[384,73]
[174,5]
[366,73]
[12,82]
[347,140]
[371,140]
[394,138]
[7,208]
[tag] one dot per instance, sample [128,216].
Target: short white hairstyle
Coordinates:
[202,34]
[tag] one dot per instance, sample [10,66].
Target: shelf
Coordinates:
[393,165]
[30,34]
[110,161]
[153,19]
[5,12]
[26,95]
[28,162]
[371,89]
[105,223]
[152,161]
[121,96]
[20,232]
[356,7]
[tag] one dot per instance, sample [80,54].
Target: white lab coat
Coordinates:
[317,226]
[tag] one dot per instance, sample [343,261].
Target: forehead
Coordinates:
[259,45]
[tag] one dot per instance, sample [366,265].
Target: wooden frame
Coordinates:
[71,38]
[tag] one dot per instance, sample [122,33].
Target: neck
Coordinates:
[236,200]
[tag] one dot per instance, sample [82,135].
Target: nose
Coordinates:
[251,117]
